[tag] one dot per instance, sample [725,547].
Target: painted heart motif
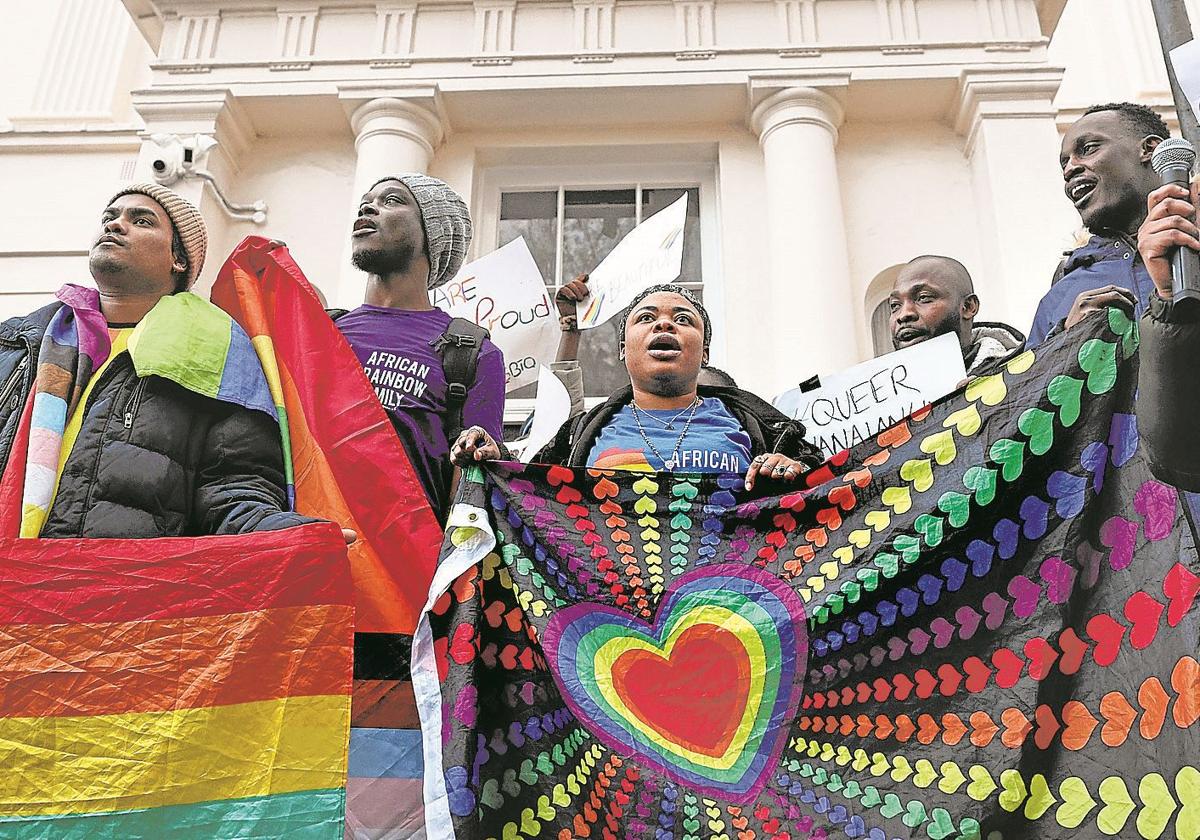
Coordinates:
[731,634]
[1099,359]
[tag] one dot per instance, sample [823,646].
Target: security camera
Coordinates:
[195,151]
[167,164]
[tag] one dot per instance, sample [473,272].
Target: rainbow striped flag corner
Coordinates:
[175,688]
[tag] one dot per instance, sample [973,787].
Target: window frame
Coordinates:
[497,180]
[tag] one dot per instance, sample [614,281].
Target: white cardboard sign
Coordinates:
[859,402]
[504,293]
[550,411]
[1185,60]
[649,254]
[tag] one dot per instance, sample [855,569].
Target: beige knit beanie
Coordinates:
[188,222]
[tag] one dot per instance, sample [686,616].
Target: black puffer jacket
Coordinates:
[152,459]
[769,429]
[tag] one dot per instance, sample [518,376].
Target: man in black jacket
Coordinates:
[95,448]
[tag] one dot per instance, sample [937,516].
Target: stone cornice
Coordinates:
[1003,92]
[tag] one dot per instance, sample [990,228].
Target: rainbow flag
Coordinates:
[348,465]
[350,468]
[181,688]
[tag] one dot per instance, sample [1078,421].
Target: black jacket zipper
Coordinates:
[135,402]
[13,380]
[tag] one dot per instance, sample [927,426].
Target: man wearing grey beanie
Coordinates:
[411,235]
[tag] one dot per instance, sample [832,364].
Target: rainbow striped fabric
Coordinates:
[175,688]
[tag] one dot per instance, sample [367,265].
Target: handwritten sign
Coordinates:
[649,254]
[862,401]
[504,293]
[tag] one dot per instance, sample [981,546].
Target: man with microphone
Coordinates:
[1107,175]
[1168,399]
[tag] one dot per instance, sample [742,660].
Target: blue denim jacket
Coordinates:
[1102,261]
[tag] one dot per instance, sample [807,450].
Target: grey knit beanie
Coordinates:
[446,220]
[188,222]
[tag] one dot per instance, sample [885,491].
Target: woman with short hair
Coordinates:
[664,420]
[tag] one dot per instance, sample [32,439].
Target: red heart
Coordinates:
[568,495]
[949,679]
[610,507]
[662,691]
[830,518]
[792,501]
[557,475]
[576,511]
[883,726]
[847,725]
[1144,613]
[777,539]
[1108,634]
[926,683]
[493,614]
[1047,726]
[883,689]
[818,476]
[1073,649]
[1180,587]
[864,693]
[1041,656]
[904,728]
[840,458]
[1008,667]
[864,726]
[904,686]
[843,496]
[508,657]
[978,674]
[513,619]
[581,828]
[462,645]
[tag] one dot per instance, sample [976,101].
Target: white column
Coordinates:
[391,137]
[1008,120]
[78,80]
[809,328]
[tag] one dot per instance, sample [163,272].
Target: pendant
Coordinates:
[669,465]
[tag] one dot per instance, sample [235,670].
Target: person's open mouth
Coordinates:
[109,239]
[364,227]
[908,335]
[1080,191]
[664,348]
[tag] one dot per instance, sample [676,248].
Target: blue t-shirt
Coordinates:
[715,441]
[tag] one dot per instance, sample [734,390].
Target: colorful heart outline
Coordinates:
[763,601]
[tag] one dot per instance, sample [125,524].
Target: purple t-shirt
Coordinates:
[394,347]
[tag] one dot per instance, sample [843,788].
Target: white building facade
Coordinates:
[823,142]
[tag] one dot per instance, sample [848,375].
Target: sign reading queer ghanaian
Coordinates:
[650,253]
[979,623]
[860,402]
[504,292]
[175,688]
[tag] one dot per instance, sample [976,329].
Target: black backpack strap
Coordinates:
[459,347]
[336,313]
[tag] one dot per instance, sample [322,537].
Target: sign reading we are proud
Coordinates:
[504,293]
[860,402]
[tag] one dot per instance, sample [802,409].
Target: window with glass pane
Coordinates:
[592,222]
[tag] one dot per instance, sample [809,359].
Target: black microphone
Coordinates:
[1173,161]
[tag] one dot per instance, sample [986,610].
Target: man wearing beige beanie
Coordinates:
[137,409]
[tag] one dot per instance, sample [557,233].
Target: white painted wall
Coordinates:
[650,92]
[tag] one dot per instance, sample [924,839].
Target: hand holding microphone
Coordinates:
[1169,240]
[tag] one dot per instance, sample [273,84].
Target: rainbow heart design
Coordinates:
[707,693]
